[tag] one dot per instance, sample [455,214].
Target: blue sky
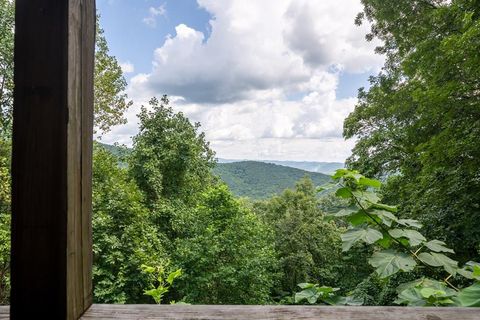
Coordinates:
[131,39]
[270,79]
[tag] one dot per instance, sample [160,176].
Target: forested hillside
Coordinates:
[252,179]
[312,166]
[259,180]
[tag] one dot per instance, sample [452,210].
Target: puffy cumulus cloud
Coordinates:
[263,84]
[324,33]
[260,45]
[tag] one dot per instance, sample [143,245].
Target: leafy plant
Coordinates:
[399,246]
[160,281]
[313,293]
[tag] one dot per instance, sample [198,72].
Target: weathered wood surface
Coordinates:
[104,312]
[81,41]
[4,312]
[151,312]
[51,159]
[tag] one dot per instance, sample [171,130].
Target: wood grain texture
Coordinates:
[79,153]
[151,312]
[51,159]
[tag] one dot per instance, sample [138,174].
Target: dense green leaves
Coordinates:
[365,234]
[110,99]
[425,292]
[414,237]
[228,256]
[5,218]
[124,237]
[258,180]
[439,260]
[438,246]
[170,159]
[470,296]
[389,262]
[6,66]
[418,123]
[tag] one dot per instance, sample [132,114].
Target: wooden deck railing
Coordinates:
[182,312]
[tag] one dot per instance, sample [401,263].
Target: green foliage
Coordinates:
[470,297]
[389,262]
[160,280]
[418,123]
[399,249]
[226,252]
[110,102]
[313,294]
[425,292]
[308,247]
[259,180]
[170,158]
[7,20]
[124,238]
[5,217]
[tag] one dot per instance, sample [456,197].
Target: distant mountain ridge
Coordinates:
[260,180]
[312,166]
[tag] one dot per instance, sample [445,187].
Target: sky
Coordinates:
[267,80]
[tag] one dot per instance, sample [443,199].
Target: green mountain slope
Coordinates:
[260,180]
[253,179]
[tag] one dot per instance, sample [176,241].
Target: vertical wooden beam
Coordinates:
[51,161]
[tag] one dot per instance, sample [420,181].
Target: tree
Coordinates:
[400,247]
[418,124]
[170,158]
[110,101]
[124,237]
[7,8]
[226,252]
[5,217]
[307,246]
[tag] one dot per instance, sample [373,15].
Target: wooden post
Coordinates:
[52,159]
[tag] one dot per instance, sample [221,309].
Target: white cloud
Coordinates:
[127,67]
[153,13]
[239,82]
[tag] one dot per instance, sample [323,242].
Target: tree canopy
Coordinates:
[419,123]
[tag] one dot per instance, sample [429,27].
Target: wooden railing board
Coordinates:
[217,312]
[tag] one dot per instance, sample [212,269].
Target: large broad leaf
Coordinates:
[339,173]
[365,234]
[366,196]
[361,217]
[344,301]
[439,260]
[410,223]
[343,193]
[346,212]
[411,297]
[438,246]
[470,296]
[389,262]
[174,275]
[386,216]
[310,294]
[306,285]
[414,237]
[369,182]
[385,207]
